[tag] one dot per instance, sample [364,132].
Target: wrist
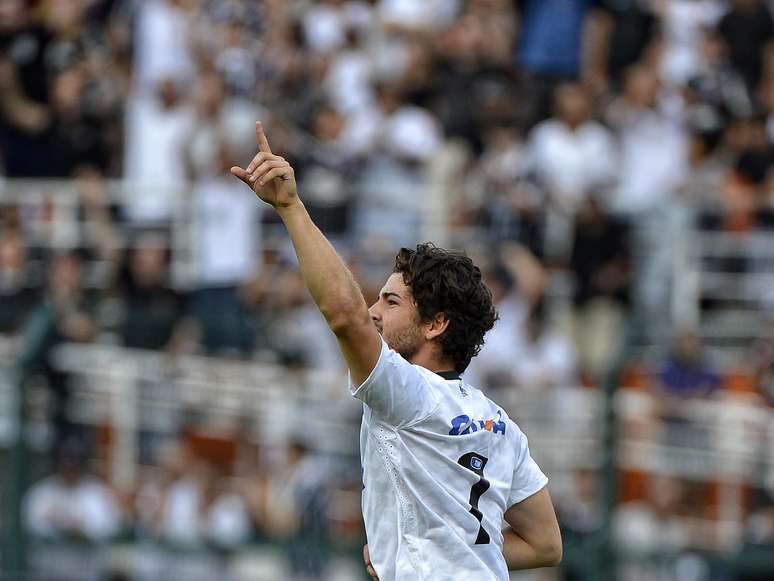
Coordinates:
[293,207]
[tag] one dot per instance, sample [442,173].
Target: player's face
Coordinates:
[397,318]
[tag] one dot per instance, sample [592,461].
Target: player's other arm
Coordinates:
[533,539]
[330,283]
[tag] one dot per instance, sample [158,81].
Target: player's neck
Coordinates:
[431,359]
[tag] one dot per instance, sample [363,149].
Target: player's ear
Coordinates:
[437,326]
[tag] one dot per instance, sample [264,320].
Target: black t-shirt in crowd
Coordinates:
[747,33]
[633,28]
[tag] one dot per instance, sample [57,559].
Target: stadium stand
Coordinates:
[608,163]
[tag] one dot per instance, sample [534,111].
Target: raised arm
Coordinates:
[330,283]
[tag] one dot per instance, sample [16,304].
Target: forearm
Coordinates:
[326,276]
[328,279]
[520,555]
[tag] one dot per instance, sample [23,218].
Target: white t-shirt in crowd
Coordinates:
[53,508]
[653,162]
[153,165]
[573,163]
[441,465]
[162,47]
[227,232]
[435,14]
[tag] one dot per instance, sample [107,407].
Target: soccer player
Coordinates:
[443,466]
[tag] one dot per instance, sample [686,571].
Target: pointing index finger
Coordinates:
[260,137]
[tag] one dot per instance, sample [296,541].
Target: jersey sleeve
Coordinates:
[396,390]
[528,478]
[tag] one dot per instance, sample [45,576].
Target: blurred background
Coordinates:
[172,406]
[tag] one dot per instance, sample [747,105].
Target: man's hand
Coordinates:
[369,567]
[269,175]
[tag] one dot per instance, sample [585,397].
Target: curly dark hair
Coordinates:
[443,281]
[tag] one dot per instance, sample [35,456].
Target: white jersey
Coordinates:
[441,465]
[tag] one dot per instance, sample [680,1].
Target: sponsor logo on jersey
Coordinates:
[463,425]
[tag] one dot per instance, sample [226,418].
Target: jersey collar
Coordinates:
[449,375]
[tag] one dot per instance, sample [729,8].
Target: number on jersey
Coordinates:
[476,463]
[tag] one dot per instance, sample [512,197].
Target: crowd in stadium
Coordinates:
[556,136]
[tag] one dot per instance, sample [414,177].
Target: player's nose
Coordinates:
[374,312]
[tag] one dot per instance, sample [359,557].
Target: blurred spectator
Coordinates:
[347,80]
[325,26]
[226,218]
[299,510]
[548,360]
[293,80]
[708,160]
[86,88]
[685,375]
[653,148]
[682,24]
[653,163]
[551,38]
[162,44]
[157,126]
[240,30]
[221,124]
[687,372]
[619,34]
[417,17]
[64,313]
[580,516]
[227,254]
[522,334]
[550,46]
[17,291]
[201,507]
[71,504]
[655,525]
[767,101]
[327,166]
[20,31]
[170,460]
[716,84]
[761,360]
[504,160]
[501,194]
[98,215]
[748,29]
[24,89]
[253,479]
[75,139]
[573,154]
[742,207]
[152,312]
[759,539]
[408,133]
[296,331]
[470,83]
[601,263]
[760,523]
[61,93]
[405,139]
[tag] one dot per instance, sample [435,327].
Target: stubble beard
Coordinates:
[405,342]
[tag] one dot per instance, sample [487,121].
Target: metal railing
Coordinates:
[728,441]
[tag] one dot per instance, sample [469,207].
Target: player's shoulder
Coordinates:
[500,411]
